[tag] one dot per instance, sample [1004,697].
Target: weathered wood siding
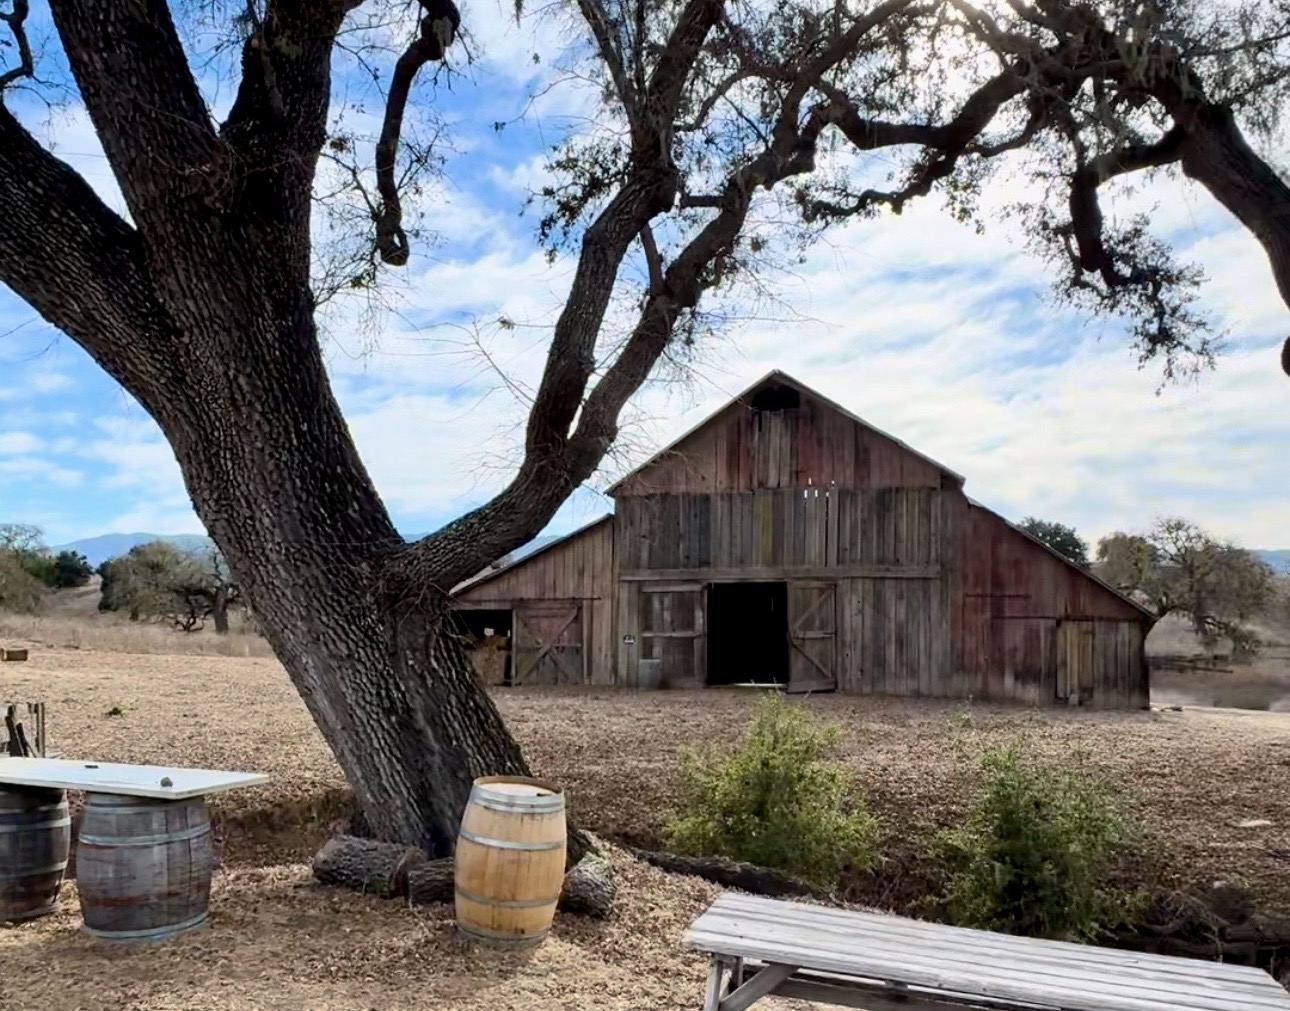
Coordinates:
[1010,598]
[895,636]
[790,531]
[579,569]
[815,445]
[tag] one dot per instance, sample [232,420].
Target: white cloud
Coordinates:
[18,443]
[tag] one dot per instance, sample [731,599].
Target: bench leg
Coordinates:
[712,997]
[759,985]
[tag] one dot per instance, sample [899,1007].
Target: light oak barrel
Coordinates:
[509,864]
[143,866]
[35,841]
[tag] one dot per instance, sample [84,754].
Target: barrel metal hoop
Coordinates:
[31,914]
[502,937]
[13,829]
[549,804]
[505,903]
[193,832]
[150,932]
[508,844]
[38,809]
[33,871]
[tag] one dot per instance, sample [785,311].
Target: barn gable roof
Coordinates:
[1145,611]
[488,575]
[775,376]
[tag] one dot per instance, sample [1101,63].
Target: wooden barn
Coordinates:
[786,540]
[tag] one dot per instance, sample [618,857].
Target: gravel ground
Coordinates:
[277,941]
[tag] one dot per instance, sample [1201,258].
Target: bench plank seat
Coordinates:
[128,780]
[910,960]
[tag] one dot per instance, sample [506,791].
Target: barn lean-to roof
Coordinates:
[1136,605]
[488,575]
[784,379]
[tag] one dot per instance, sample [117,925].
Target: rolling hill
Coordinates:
[98,550]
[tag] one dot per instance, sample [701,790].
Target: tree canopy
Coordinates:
[258,184]
[1061,538]
[1176,567]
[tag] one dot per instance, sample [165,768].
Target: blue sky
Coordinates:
[931,332]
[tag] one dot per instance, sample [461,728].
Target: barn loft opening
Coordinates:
[747,633]
[776,397]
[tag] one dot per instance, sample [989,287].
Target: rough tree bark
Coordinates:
[202,310]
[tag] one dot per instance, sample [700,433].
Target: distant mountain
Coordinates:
[98,550]
[1279,559]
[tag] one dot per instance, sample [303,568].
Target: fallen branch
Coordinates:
[731,873]
[393,871]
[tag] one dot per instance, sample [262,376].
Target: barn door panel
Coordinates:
[548,644]
[673,631]
[1076,660]
[813,634]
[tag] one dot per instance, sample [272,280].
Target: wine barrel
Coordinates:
[509,865]
[35,837]
[143,866]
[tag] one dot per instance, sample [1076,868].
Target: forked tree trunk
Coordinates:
[311,547]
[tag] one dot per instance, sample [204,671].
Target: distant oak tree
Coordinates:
[1176,567]
[727,137]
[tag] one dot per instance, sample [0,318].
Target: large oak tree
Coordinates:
[725,129]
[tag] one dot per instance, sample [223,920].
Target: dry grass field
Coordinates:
[277,940]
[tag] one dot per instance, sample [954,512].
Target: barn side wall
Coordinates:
[1024,622]
[813,445]
[578,569]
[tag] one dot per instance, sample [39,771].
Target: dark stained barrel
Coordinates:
[35,836]
[143,866]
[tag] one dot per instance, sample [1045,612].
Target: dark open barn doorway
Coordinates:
[488,637]
[747,633]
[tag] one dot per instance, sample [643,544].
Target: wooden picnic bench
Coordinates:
[144,853]
[761,947]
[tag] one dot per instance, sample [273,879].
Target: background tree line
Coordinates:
[28,568]
[156,581]
[1175,567]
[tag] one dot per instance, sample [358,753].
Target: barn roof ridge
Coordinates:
[479,578]
[779,375]
[1087,573]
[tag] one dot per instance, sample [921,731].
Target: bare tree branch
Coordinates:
[437,31]
[15,21]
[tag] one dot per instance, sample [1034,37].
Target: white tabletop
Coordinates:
[130,780]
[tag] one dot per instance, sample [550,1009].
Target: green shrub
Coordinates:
[1034,854]
[778,799]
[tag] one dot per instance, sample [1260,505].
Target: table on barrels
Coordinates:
[144,854]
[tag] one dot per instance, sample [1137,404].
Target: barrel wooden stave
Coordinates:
[35,839]
[509,864]
[143,866]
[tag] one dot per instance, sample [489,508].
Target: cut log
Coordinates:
[366,865]
[731,874]
[387,870]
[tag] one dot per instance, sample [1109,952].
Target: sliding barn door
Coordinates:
[1076,660]
[548,644]
[813,636]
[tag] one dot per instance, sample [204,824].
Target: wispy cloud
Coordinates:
[923,327]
